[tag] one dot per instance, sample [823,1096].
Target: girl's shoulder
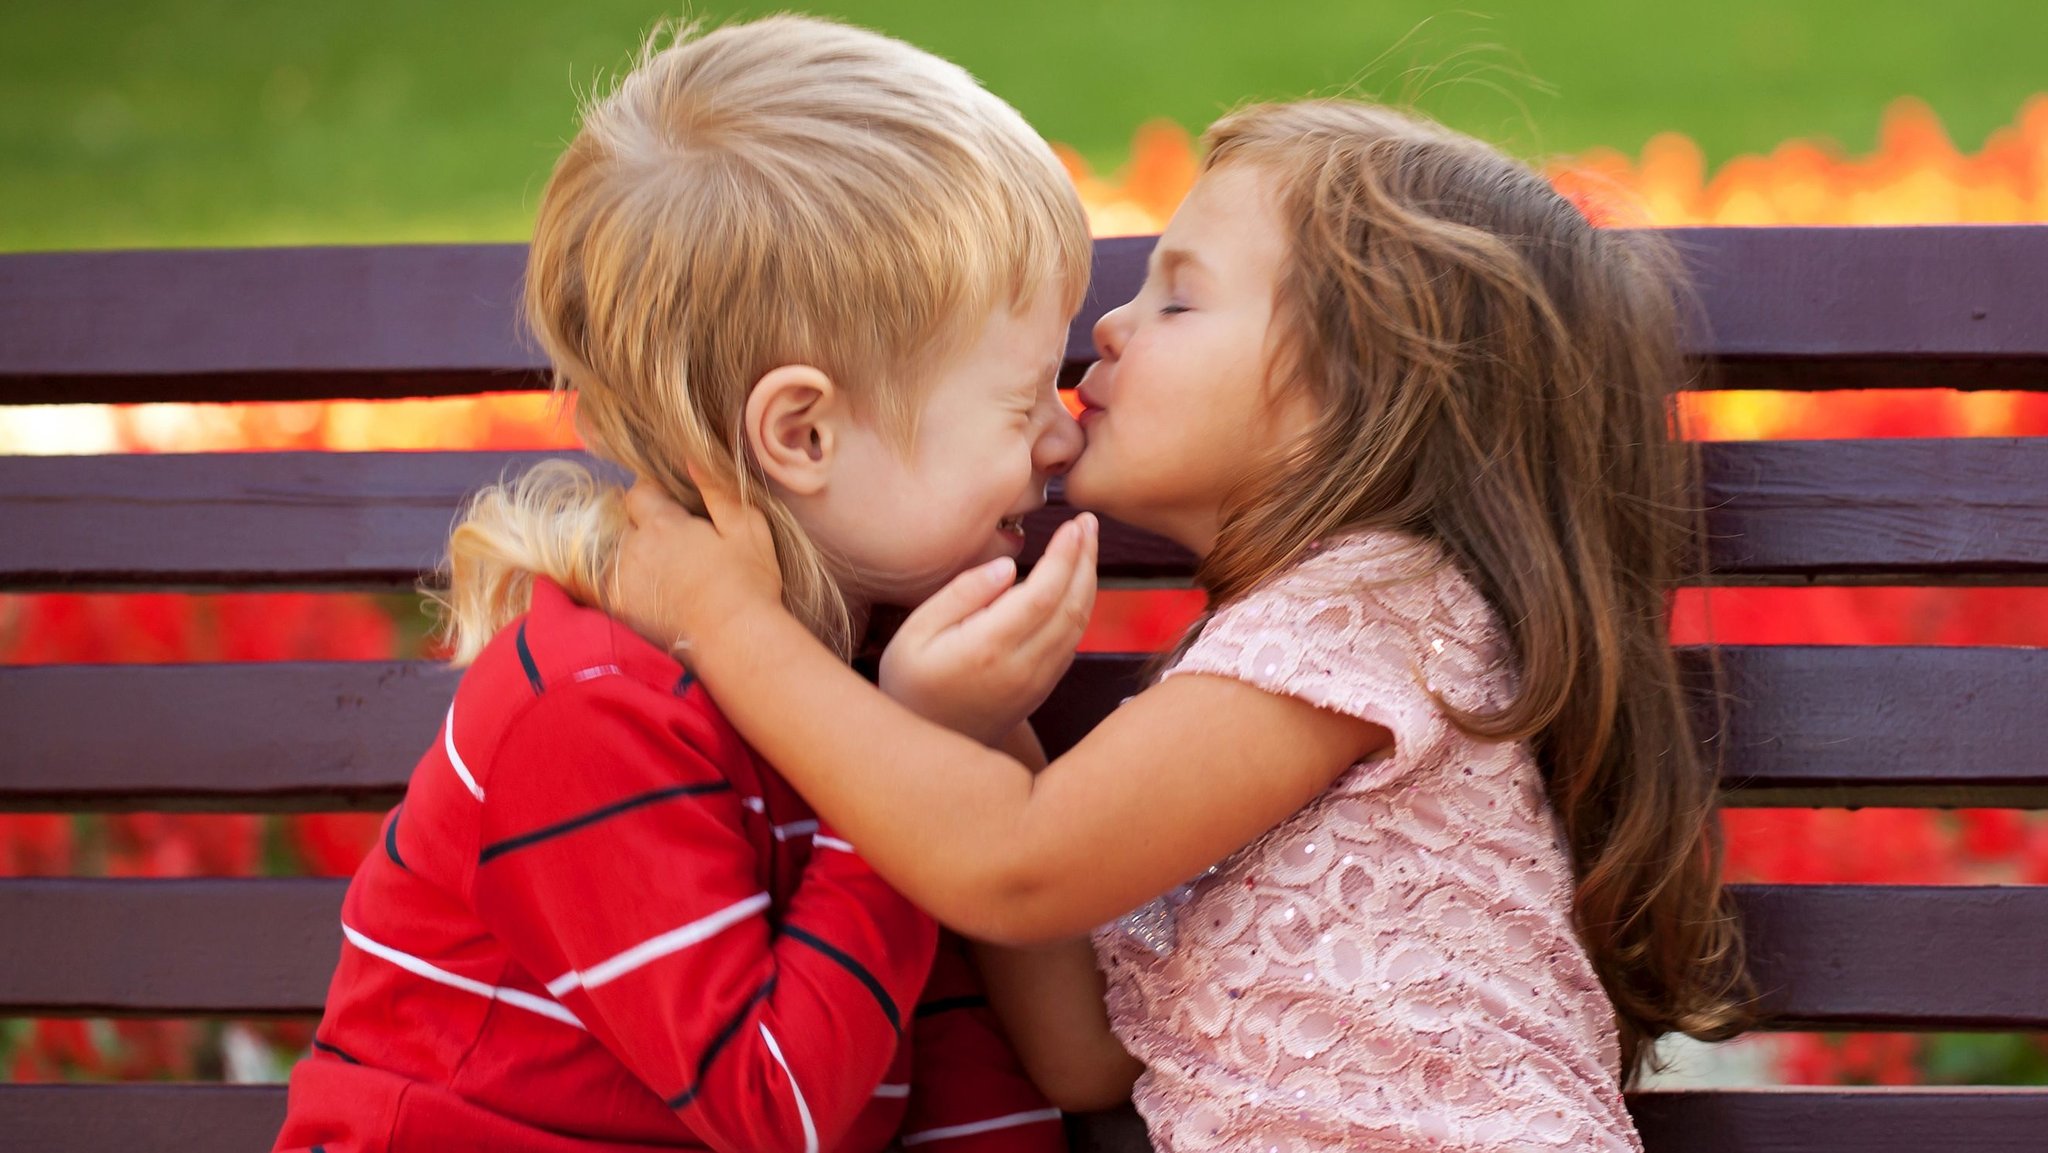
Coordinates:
[1397,580]
[1375,624]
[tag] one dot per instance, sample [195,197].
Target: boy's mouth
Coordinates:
[1011,525]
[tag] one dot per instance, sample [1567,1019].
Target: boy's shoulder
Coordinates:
[575,659]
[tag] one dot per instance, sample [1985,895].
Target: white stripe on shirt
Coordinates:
[803,1108]
[824,842]
[455,758]
[655,948]
[886,1089]
[795,829]
[435,973]
[970,1129]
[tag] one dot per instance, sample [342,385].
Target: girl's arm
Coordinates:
[1049,998]
[1050,1001]
[1175,780]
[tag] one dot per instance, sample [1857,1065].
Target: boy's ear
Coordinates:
[792,422]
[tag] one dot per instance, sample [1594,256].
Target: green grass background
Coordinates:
[126,123]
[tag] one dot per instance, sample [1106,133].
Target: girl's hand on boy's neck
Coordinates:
[678,576]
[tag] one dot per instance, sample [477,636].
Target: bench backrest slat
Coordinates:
[1796,308]
[1901,512]
[1824,955]
[1802,729]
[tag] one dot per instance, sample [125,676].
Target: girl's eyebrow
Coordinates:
[1168,261]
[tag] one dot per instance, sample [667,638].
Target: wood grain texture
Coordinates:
[160,1118]
[377,521]
[189,1118]
[1793,512]
[1891,511]
[1824,956]
[101,947]
[1796,308]
[1805,726]
[1821,1120]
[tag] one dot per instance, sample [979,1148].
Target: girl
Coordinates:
[834,269]
[1427,757]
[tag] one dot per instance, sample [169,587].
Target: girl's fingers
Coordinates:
[646,504]
[721,503]
[1062,626]
[1024,610]
[1079,603]
[963,596]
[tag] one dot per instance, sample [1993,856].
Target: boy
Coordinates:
[833,271]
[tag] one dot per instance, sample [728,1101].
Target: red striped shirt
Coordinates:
[599,922]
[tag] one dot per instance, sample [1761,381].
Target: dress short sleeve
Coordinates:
[1375,626]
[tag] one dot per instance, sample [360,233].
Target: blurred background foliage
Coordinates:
[207,122]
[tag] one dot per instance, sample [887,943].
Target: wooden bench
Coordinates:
[1788,309]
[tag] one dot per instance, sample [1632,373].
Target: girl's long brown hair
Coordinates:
[1498,376]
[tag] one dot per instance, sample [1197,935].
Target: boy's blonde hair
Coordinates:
[788,191]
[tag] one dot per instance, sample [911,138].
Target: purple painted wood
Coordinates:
[1782,512]
[1877,725]
[1881,511]
[312,736]
[366,520]
[1815,308]
[298,520]
[1806,726]
[1825,956]
[190,1118]
[263,324]
[1809,308]
[1785,308]
[96,947]
[187,1118]
[1843,1120]
[1898,956]
[160,1118]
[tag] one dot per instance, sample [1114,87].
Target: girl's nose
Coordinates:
[1111,330]
[1059,441]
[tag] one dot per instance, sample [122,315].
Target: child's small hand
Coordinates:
[679,574]
[980,656]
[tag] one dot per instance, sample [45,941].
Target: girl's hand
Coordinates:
[980,656]
[678,575]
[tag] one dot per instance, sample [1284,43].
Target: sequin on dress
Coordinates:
[1393,967]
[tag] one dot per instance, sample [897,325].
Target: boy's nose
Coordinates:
[1059,443]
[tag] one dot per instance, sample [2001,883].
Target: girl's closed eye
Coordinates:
[1173,309]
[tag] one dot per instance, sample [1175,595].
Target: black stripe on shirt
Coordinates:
[725,1033]
[948,1004]
[526,660]
[859,971]
[391,838]
[500,848]
[336,1050]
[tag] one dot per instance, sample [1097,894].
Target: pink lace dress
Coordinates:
[1393,967]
